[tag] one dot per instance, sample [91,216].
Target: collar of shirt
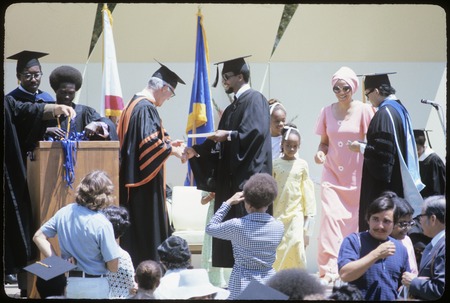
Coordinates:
[145,93]
[436,238]
[27,92]
[243,89]
[428,151]
[391,97]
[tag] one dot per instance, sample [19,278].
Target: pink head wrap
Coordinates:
[348,75]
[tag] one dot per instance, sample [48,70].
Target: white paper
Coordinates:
[202,135]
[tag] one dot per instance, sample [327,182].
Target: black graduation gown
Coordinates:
[249,152]
[381,167]
[40,96]
[86,115]
[29,136]
[145,146]
[18,223]
[432,174]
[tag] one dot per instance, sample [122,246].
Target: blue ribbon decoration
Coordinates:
[70,156]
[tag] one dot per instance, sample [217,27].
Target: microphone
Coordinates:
[425,101]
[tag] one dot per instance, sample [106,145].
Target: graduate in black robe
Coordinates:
[29,74]
[18,223]
[144,147]
[432,168]
[381,168]
[241,148]
[66,81]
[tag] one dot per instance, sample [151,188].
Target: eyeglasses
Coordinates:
[29,76]
[171,90]
[406,224]
[337,89]
[226,77]
[371,91]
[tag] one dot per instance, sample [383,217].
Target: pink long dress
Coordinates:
[341,181]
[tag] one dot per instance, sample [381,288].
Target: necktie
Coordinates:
[425,254]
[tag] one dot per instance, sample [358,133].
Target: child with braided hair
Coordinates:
[295,204]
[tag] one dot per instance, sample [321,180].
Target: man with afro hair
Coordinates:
[66,81]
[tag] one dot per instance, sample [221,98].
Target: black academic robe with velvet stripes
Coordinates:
[381,168]
[145,146]
[249,152]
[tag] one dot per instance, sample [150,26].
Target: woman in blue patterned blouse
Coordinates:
[254,237]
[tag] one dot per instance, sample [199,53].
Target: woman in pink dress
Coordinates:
[341,122]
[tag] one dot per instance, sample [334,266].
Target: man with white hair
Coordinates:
[144,148]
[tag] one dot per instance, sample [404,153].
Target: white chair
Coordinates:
[188,216]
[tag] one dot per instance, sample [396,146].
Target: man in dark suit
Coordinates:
[429,284]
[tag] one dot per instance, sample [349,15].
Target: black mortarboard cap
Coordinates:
[165,74]
[50,267]
[376,80]
[259,291]
[236,65]
[26,59]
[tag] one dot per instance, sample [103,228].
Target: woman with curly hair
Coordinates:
[85,237]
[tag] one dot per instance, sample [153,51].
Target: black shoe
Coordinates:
[10,279]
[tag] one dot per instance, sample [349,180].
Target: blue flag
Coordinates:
[201,118]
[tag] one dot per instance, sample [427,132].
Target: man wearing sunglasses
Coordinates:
[390,155]
[145,146]
[245,147]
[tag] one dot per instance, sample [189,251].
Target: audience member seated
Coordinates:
[122,281]
[175,256]
[346,292]
[297,283]
[429,284]
[195,285]
[148,276]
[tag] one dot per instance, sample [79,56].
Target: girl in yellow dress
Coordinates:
[295,204]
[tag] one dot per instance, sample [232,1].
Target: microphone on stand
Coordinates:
[425,101]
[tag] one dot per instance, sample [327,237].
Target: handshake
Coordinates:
[183,152]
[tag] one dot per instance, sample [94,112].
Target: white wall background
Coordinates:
[303,84]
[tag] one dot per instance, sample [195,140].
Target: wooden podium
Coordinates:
[48,188]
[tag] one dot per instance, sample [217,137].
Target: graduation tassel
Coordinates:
[217,78]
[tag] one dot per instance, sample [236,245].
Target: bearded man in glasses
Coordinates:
[242,144]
